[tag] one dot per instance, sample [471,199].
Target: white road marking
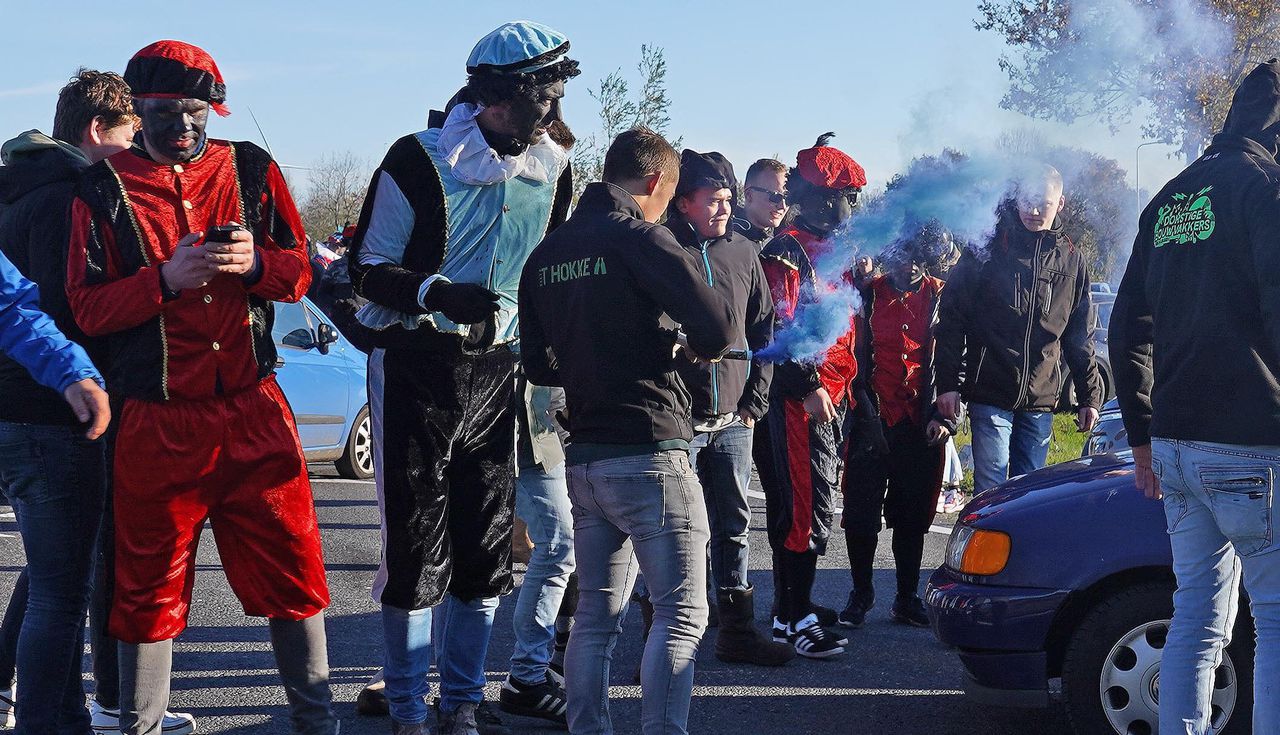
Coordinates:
[633,692]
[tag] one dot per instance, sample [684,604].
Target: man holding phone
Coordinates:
[178,247]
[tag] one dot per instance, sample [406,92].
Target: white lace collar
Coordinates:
[473,162]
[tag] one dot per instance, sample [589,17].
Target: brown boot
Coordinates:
[738,641]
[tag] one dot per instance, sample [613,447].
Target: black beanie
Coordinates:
[698,170]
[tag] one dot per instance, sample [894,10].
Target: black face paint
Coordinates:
[174,129]
[529,116]
[825,209]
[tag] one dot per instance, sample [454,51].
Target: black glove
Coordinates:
[867,437]
[461,303]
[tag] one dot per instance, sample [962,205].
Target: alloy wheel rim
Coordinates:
[1130,682]
[364,447]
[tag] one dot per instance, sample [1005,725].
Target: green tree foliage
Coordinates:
[1175,62]
[621,111]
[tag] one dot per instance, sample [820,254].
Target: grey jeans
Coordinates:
[646,508]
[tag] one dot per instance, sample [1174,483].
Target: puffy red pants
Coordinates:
[236,461]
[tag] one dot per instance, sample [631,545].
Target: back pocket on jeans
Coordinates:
[1241,500]
[637,502]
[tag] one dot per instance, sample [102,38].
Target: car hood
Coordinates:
[1094,480]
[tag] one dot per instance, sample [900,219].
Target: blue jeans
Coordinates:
[647,508]
[1219,501]
[56,482]
[1007,443]
[542,502]
[723,462]
[457,633]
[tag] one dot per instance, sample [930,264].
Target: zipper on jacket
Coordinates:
[715,385]
[982,356]
[1025,386]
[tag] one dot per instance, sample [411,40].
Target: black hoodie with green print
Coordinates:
[1195,331]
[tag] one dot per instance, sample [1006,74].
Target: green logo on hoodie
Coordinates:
[1186,219]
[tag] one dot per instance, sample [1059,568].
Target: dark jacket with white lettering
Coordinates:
[1195,331]
[591,297]
[731,266]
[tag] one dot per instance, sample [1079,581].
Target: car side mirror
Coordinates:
[300,338]
[325,336]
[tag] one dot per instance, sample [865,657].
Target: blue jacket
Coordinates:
[30,337]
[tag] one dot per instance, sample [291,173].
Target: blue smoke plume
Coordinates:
[960,193]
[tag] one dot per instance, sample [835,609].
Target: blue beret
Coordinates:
[518,47]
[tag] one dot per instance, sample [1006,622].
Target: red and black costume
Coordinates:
[797,457]
[890,466]
[205,431]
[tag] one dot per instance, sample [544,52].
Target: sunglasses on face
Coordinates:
[775,197]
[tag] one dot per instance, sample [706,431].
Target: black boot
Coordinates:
[738,641]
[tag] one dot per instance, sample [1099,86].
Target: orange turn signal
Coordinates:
[987,553]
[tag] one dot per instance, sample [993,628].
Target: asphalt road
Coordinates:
[892,679]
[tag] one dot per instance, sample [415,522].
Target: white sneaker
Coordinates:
[6,708]
[107,721]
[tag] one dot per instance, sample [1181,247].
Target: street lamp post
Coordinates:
[1137,188]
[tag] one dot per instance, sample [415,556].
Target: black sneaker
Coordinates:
[546,700]
[487,721]
[837,634]
[826,616]
[910,611]
[855,613]
[811,640]
[780,632]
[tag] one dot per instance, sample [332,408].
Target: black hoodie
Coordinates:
[591,298]
[37,184]
[1195,331]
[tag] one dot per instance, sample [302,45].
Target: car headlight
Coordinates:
[978,551]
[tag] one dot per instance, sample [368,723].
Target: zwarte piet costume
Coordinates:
[205,432]
[796,456]
[453,204]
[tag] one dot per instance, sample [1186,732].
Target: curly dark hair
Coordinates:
[490,87]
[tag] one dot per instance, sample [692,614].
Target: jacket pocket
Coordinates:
[1241,501]
[1053,293]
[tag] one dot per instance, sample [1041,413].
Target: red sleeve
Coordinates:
[784,297]
[286,274]
[101,300]
[840,366]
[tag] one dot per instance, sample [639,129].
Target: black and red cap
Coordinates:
[176,70]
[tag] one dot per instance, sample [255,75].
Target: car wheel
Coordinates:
[357,461]
[1111,672]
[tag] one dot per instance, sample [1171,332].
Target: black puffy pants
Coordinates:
[444,432]
[903,485]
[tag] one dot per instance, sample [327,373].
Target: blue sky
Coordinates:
[748,78]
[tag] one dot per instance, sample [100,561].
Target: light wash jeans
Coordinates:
[723,462]
[457,632]
[1007,443]
[1219,501]
[650,505]
[542,502]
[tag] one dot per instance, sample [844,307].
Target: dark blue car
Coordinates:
[1058,586]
